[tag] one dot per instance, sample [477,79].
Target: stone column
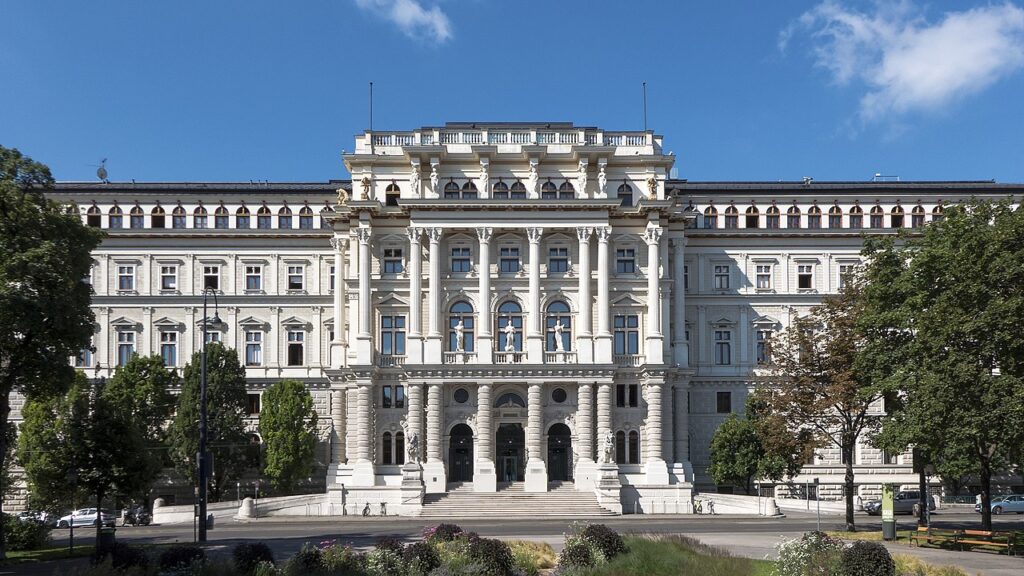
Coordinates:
[681,353]
[584,323]
[414,417]
[434,478]
[364,339]
[657,471]
[339,343]
[366,434]
[338,421]
[536,471]
[585,474]
[534,335]
[681,432]
[483,316]
[655,344]
[414,347]
[603,340]
[667,423]
[485,478]
[604,415]
[432,349]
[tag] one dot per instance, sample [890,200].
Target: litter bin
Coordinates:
[209,521]
[107,540]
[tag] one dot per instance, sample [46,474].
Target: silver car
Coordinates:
[1001,504]
[85,517]
[903,503]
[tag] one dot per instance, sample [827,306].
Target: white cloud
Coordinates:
[412,18]
[906,63]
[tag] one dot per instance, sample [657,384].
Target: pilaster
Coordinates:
[484,340]
[434,477]
[655,344]
[414,346]
[654,467]
[339,344]
[603,340]
[364,338]
[536,471]
[485,478]
[433,345]
[584,323]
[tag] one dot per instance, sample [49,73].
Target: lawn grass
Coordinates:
[872,535]
[48,553]
[671,555]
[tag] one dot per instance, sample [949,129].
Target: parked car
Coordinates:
[1000,504]
[41,517]
[903,503]
[86,517]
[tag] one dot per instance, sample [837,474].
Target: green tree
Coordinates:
[288,427]
[736,453]
[962,371]
[44,304]
[227,439]
[814,384]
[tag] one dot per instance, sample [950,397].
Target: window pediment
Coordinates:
[169,324]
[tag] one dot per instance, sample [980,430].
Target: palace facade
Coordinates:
[486,304]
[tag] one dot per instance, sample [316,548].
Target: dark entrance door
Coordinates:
[510,447]
[559,453]
[460,454]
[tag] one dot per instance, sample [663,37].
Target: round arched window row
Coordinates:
[558,327]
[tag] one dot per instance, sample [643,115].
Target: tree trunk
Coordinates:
[922,486]
[5,412]
[986,494]
[99,523]
[848,487]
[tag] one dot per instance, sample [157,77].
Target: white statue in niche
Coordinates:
[434,178]
[414,180]
[581,180]
[558,329]
[532,179]
[413,447]
[510,337]
[483,180]
[652,188]
[602,181]
[460,337]
[608,448]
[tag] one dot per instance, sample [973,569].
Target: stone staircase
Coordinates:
[562,500]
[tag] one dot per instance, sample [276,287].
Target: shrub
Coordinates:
[306,561]
[867,559]
[384,562]
[248,555]
[605,539]
[494,556]
[531,557]
[577,553]
[266,569]
[914,566]
[442,533]
[25,535]
[388,543]
[122,557]
[178,557]
[814,553]
[338,559]
[421,558]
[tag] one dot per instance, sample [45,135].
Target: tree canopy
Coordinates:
[288,428]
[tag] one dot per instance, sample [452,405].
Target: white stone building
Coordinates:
[525,303]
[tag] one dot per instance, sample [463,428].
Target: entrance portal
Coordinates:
[510,445]
[460,454]
[559,453]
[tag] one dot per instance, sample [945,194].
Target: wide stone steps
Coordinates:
[512,501]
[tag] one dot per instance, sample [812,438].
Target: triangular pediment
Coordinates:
[626,300]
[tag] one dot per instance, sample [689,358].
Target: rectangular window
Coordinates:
[723,347]
[845,272]
[263,221]
[399,396]
[199,221]
[763,342]
[296,354]
[220,220]
[835,220]
[385,396]
[732,221]
[242,222]
[253,404]
[115,221]
[772,221]
[627,395]
[558,260]
[722,277]
[814,221]
[125,347]
[508,260]
[627,334]
[330,278]
[876,220]
[896,220]
[211,277]
[856,221]
[686,278]
[620,395]
[253,348]
[178,220]
[625,261]
[392,335]
[764,276]
[212,337]
[460,259]
[917,220]
[305,221]
[126,278]
[156,220]
[284,221]
[889,458]
[296,277]
[723,402]
[136,220]
[793,220]
[84,358]
[168,277]
[253,278]
[805,277]
[169,348]
[634,395]
[393,261]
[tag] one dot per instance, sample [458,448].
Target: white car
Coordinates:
[85,517]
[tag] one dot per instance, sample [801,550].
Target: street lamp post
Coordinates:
[203,458]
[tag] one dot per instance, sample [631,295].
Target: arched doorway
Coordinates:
[510,450]
[559,453]
[460,454]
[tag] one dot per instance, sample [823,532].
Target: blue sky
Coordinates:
[255,89]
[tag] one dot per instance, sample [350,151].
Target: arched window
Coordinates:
[917,217]
[773,218]
[399,448]
[451,189]
[469,191]
[566,191]
[284,217]
[877,216]
[115,218]
[178,217]
[518,191]
[937,213]
[499,190]
[156,217]
[263,217]
[633,448]
[385,457]
[732,217]
[508,400]
[710,217]
[625,194]
[558,314]
[548,191]
[392,194]
[856,217]
[460,312]
[793,217]
[325,213]
[814,217]
[199,217]
[896,217]
[220,218]
[510,314]
[753,219]
[242,218]
[620,447]
[305,218]
[94,217]
[835,216]
[137,218]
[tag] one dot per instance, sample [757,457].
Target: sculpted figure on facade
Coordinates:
[652,188]
[365,183]
[342,196]
[581,179]
[510,337]
[608,448]
[460,337]
[414,180]
[413,447]
[533,178]
[434,179]
[483,179]
[558,329]
[602,180]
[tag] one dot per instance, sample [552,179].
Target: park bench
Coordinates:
[930,535]
[966,538]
